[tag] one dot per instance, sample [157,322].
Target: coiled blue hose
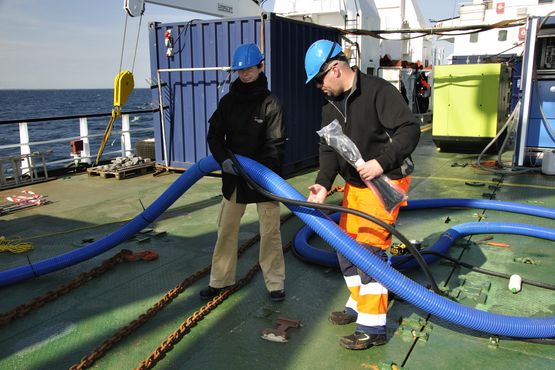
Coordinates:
[473,228]
[393,280]
[330,232]
[329,258]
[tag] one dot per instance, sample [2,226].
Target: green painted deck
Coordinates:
[82,208]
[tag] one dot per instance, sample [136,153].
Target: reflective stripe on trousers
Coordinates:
[368,298]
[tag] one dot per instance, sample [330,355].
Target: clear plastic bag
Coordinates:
[389,194]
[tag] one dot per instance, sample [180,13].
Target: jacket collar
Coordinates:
[254,91]
[354,88]
[356,81]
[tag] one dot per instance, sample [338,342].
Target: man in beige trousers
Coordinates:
[248,121]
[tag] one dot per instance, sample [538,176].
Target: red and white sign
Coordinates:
[522,33]
[500,8]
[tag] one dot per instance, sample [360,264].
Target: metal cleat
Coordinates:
[279,334]
[493,342]
[147,233]
[476,291]
[526,260]
[414,328]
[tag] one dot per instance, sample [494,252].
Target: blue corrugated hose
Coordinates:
[139,222]
[327,229]
[402,286]
[328,258]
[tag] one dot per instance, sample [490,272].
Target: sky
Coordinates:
[72,44]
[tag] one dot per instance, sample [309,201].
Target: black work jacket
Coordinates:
[248,121]
[378,120]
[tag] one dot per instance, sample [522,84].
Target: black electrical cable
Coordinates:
[417,256]
[478,269]
[534,340]
[550,341]
[415,253]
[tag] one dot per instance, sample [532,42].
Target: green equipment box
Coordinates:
[470,105]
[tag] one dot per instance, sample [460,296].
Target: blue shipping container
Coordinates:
[190,97]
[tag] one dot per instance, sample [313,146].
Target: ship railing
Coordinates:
[27,162]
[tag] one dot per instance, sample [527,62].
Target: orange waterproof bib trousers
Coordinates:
[368,298]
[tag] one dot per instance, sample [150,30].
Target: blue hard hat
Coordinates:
[246,55]
[318,54]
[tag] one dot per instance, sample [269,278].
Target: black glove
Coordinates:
[229,167]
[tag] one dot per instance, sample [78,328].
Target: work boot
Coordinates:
[341,318]
[277,295]
[360,340]
[208,293]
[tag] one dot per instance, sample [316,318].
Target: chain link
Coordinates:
[174,338]
[100,351]
[124,255]
[166,346]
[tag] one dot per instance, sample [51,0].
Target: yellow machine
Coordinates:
[471,104]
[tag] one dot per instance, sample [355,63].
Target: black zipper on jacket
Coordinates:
[339,110]
[355,81]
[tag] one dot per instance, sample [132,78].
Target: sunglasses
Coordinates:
[319,78]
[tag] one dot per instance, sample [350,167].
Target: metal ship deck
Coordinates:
[82,209]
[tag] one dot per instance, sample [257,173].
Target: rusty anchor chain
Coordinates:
[101,350]
[191,321]
[167,345]
[174,338]
[124,255]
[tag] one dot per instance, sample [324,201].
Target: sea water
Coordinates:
[26,104]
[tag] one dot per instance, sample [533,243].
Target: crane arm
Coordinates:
[217,8]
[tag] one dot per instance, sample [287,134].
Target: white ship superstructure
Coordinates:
[402,14]
[499,40]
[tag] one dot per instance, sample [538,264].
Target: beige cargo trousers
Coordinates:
[224,259]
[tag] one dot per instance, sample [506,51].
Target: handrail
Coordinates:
[69,138]
[25,144]
[61,118]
